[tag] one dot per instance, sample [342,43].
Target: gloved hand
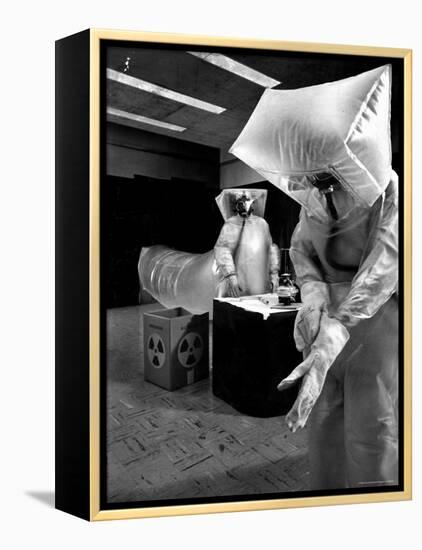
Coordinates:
[274,281]
[315,298]
[331,339]
[233,289]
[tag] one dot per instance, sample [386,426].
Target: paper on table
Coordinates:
[256,305]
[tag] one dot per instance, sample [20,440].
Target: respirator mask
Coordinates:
[243,206]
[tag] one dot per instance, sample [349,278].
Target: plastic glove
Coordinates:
[315,298]
[274,281]
[233,289]
[331,339]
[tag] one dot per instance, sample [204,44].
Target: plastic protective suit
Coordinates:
[244,260]
[246,257]
[328,147]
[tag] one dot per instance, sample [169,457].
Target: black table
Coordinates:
[251,356]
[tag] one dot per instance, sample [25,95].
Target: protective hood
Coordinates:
[227,198]
[342,127]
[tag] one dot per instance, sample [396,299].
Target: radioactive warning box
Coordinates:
[176,347]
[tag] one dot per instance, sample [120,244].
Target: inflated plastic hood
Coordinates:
[342,127]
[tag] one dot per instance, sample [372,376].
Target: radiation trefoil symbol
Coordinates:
[156,351]
[191,348]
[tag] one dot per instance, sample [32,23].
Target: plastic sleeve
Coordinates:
[275,259]
[225,247]
[377,278]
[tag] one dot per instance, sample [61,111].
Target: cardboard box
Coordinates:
[176,347]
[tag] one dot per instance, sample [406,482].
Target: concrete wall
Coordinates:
[133,152]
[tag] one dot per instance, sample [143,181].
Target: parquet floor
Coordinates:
[187,443]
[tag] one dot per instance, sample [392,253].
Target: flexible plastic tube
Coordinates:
[179,279]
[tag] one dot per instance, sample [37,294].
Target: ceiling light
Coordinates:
[237,68]
[144,120]
[163,92]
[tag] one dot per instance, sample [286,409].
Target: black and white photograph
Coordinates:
[250,256]
[210,275]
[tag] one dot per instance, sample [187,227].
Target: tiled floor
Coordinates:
[186,443]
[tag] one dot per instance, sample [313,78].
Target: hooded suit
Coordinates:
[244,248]
[345,254]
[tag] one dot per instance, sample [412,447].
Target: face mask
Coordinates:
[330,188]
[243,206]
[327,185]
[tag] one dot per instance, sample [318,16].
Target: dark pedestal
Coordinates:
[250,357]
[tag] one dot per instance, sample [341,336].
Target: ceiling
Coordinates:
[179,71]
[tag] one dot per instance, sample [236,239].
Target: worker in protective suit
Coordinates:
[247,259]
[345,254]
[244,260]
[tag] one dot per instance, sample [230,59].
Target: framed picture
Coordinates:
[233,280]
